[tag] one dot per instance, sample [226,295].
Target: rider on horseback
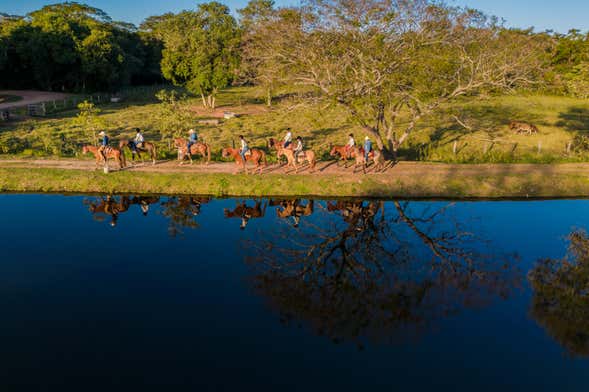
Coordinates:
[244,148]
[288,138]
[139,139]
[298,148]
[367,148]
[351,144]
[192,138]
[103,144]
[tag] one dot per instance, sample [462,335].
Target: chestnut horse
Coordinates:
[110,152]
[255,156]
[147,147]
[293,208]
[278,145]
[307,155]
[343,152]
[197,148]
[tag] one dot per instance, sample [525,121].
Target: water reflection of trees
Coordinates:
[561,296]
[181,211]
[377,274]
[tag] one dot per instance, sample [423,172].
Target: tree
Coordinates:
[362,274]
[561,301]
[261,41]
[89,119]
[391,63]
[200,49]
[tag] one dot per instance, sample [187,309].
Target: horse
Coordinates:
[344,152]
[197,148]
[109,152]
[307,155]
[254,155]
[147,147]
[278,145]
[246,213]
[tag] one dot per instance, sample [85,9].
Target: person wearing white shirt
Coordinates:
[288,138]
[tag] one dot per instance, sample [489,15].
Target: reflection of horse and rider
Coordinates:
[293,208]
[245,213]
[113,207]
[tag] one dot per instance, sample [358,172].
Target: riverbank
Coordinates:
[406,180]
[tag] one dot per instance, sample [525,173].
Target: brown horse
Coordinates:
[255,156]
[109,152]
[343,152]
[278,145]
[246,213]
[197,148]
[146,147]
[307,155]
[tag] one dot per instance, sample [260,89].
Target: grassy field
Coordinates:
[439,139]
[411,180]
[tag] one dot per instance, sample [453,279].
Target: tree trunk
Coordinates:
[387,151]
[204,100]
[268,97]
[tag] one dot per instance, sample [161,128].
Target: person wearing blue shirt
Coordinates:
[367,148]
[192,138]
[103,144]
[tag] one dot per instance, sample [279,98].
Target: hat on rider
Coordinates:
[366,138]
[101,133]
[191,131]
[137,130]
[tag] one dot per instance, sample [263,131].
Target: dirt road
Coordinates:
[30,97]
[412,170]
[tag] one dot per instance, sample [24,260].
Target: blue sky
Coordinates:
[541,14]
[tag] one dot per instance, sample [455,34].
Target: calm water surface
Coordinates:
[104,293]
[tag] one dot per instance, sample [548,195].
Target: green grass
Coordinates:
[543,182]
[488,141]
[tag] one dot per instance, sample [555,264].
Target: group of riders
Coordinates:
[138,142]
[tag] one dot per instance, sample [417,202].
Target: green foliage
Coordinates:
[200,48]
[88,119]
[74,47]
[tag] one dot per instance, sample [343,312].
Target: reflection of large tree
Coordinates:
[561,296]
[369,275]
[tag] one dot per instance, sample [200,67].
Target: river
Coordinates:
[193,293]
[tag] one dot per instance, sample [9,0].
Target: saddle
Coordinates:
[248,153]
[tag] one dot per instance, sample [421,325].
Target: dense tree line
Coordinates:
[74,47]
[376,58]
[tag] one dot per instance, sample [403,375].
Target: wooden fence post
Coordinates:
[539,147]
[454,147]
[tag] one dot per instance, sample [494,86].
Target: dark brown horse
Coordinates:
[257,157]
[246,213]
[197,148]
[109,152]
[146,147]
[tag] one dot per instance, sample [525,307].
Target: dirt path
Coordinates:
[30,97]
[412,170]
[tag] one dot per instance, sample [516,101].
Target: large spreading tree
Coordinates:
[387,60]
